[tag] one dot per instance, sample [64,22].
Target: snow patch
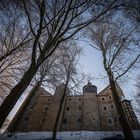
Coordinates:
[69,135]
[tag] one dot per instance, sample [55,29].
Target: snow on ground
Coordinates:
[77,135]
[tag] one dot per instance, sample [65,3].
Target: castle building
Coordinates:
[88,112]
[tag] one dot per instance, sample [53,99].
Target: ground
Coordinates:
[78,135]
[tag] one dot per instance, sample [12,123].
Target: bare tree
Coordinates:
[11,70]
[51,22]
[55,71]
[132,10]
[14,36]
[51,72]
[14,47]
[70,76]
[118,46]
[137,97]
[44,77]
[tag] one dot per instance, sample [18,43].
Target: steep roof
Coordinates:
[103,91]
[44,92]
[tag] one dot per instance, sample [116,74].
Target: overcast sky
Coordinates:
[91,63]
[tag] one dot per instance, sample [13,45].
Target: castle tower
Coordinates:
[89,88]
[90,108]
[130,114]
[54,107]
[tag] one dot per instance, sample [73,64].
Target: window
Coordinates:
[48,99]
[79,99]
[32,107]
[103,98]
[133,118]
[115,119]
[128,103]
[110,122]
[68,108]
[69,99]
[43,120]
[46,108]
[79,107]
[110,97]
[104,108]
[112,106]
[79,120]
[131,111]
[130,119]
[25,119]
[65,121]
[93,119]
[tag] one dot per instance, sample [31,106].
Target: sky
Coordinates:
[91,63]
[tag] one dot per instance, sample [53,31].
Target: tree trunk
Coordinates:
[15,93]
[15,122]
[127,131]
[58,114]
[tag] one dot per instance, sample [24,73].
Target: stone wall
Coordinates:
[89,112]
[72,117]
[30,119]
[108,113]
